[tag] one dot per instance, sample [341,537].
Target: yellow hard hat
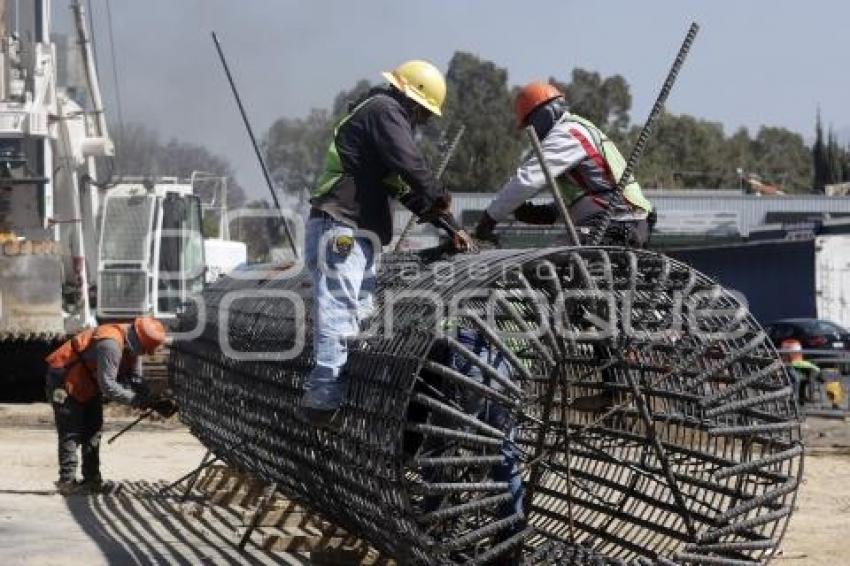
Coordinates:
[420,81]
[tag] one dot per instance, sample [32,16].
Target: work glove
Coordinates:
[164,406]
[440,208]
[136,383]
[463,242]
[484,229]
[443,204]
[141,400]
[652,219]
[536,213]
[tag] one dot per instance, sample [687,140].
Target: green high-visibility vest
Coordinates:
[333,169]
[609,151]
[805,365]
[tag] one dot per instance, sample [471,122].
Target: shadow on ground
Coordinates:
[138,525]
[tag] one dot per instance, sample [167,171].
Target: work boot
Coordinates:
[69,487]
[328,419]
[99,486]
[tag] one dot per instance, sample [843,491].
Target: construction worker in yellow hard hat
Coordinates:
[586,166]
[371,158]
[98,363]
[421,81]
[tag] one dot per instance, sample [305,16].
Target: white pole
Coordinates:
[84,41]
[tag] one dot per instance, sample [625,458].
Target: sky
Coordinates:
[754,62]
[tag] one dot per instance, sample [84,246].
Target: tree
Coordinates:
[834,158]
[687,152]
[344,99]
[258,233]
[295,150]
[606,102]
[819,160]
[478,97]
[140,153]
[782,157]
[683,152]
[845,167]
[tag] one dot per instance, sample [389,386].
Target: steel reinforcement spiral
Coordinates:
[653,419]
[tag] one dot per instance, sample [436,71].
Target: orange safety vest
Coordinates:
[80,380]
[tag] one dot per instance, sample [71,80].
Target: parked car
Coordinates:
[813,334]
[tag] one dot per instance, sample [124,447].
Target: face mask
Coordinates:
[133,342]
[544,117]
[421,116]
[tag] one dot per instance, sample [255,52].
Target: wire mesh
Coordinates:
[652,417]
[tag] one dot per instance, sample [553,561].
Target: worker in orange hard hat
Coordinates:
[802,371]
[371,159]
[98,363]
[586,166]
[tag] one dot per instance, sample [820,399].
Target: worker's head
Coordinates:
[145,335]
[421,82]
[792,350]
[540,105]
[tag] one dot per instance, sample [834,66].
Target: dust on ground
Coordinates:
[140,526]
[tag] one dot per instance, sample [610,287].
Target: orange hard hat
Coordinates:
[792,349]
[531,96]
[150,332]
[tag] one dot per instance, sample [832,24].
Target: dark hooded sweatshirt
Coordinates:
[373,144]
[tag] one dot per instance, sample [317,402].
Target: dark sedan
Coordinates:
[813,334]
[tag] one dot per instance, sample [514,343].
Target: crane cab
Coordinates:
[151,250]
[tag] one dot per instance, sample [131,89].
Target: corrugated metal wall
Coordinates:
[751,209]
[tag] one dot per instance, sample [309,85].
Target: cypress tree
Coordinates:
[819,161]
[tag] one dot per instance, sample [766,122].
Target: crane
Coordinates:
[76,249]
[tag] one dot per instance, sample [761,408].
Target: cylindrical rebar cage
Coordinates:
[652,418]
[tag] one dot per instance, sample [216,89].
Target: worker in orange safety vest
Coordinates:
[98,363]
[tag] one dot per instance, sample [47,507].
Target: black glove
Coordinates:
[138,385]
[652,220]
[536,213]
[443,204]
[440,209]
[164,406]
[141,400]
[484,229]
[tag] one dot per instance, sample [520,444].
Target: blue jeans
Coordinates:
[343,296]
[492,413]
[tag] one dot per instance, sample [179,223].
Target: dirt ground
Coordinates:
[135,526]
[140,526]
[820,526]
